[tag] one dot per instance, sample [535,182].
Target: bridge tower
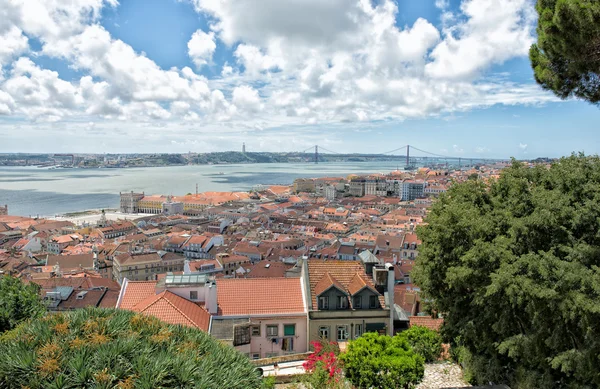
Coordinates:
[407,155]
[316,154]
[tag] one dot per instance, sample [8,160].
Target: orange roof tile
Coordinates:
[173,309]
[426,321]
[136,291]
[342,271]
[259,296]
[358,283]
[326,282]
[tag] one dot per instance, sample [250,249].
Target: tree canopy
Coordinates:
[18,302]
[514,267]
[108,348]
[381,361]
[424,341]
[566,58]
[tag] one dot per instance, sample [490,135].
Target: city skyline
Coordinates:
[452,77]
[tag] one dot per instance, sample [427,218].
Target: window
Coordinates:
[342,302]
[193,295]
[324,302]
[342,333]
[289,330]
[255,356]
[357,302]
[287,344]
[324,332]
[256,330]
[241,335]
[373,302]
[272,331]
[358,330]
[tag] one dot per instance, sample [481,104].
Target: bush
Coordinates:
[382,361]
[424,341]
[18,302]
[107,348]
[322,366]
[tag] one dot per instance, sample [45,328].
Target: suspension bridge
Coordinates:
[412,156]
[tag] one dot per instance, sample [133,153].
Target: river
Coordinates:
[32,191]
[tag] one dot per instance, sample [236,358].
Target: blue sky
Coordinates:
[450,77]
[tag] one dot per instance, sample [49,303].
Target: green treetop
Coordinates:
[515,268]
[18,302]
[566,58]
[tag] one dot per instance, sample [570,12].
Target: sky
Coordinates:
[450,77]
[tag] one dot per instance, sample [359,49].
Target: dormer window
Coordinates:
[324,302]
[357,303]
[373,302]
[342,302]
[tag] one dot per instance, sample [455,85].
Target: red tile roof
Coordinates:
[173,309]
[259,296]
[426,321]
[136,291]
[326,282]
[342,271]
[358,283]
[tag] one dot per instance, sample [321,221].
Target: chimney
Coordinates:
[390,290]
[210,297]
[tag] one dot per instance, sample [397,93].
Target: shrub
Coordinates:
[107,348]
[322,366]
[382,361]
[18,302]
[424,341]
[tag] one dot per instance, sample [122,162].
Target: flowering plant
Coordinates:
[324,357]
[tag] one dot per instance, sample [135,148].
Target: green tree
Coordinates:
[18,302]
[108,348]
[381,361]
[566,58]
[515,268]
[424,341]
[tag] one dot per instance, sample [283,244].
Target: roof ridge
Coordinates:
[179,310]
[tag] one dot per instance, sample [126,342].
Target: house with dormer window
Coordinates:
[344,301]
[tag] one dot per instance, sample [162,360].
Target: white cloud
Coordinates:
[494,31]
[12,44]
[442,4]
[201,47]
[296,63]
[457,149]
[246,98]
[523,146]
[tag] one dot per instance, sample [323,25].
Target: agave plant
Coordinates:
[114,349]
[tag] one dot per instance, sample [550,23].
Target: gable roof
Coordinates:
[358,283]
[340,270]
[173,309]
[260,296]
[136,291]
[327,282]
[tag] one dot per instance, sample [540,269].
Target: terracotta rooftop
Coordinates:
[136,291]
[173,309]
[358,283]
[326,282]
[342,271]
[426,321]
[259,296]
